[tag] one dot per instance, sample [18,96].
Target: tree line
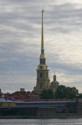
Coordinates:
[62,92]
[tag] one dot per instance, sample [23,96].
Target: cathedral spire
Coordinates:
[42,36]
[43,81]
[42,55]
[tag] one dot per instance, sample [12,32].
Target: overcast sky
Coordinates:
[20,39]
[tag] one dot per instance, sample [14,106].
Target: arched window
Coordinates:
[41,75]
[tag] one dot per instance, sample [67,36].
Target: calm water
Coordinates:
[41,122]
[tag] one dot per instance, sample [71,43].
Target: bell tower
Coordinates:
[42,81]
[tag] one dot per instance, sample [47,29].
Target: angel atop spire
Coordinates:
[42,11]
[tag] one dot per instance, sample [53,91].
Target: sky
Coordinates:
[20,40]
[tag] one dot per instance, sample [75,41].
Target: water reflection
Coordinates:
[40,121]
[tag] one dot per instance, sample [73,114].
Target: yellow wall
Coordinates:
[7,104]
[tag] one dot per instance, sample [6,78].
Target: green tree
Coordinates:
[71,93]
[46,94]
[80,95]
[60,92]
[66,92]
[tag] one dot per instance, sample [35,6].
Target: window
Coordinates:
[42,61]
[41,75]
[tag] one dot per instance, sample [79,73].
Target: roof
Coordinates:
[5,100]
[54,83]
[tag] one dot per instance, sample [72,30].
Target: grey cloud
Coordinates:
[20,22]
[68,68]
[61,18]
[64,18]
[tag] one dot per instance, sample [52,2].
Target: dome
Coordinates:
[53,83]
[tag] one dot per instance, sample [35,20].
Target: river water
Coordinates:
[40,121]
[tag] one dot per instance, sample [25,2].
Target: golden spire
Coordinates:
[42,36]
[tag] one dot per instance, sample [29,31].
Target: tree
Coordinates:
[71,93]
[80,95]
[46,94]
[66,92]
[60,92]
